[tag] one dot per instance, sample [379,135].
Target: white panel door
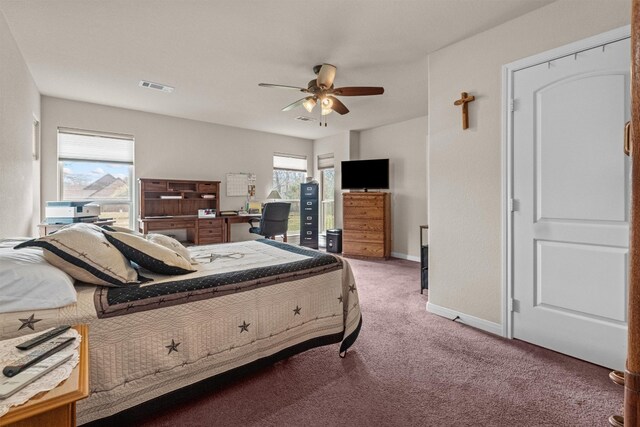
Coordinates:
[571,191]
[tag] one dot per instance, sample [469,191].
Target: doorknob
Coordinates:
[627,139]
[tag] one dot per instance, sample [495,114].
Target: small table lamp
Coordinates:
[274,195]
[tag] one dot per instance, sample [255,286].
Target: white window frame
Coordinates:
[292,169]
[325,161]
[132,186]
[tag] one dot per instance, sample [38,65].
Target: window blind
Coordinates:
[290,162]
[325,161]
[76,145]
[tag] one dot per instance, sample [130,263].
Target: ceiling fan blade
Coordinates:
[358,91]
[295,104]
[338,106]
[326,75]
[301,89]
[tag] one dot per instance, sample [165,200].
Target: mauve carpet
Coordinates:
[409,368]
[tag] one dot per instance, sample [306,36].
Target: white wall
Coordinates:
[405,145]
[170,147]
[465,166]
[19,173]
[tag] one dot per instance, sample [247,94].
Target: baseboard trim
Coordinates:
[476,322]
[405,256]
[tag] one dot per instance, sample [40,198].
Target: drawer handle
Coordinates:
[627,139]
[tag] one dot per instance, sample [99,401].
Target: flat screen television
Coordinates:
[365,174]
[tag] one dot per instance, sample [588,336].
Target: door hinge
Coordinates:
[512,105]
[513,205]
[514,305]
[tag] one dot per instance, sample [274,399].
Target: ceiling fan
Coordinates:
[321,90]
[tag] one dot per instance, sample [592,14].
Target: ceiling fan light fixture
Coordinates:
[309,104]
[321,91]
[326,104]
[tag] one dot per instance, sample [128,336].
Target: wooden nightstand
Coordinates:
[58,406]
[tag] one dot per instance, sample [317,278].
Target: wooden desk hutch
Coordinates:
[167,204]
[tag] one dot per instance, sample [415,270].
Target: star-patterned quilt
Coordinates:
[221,270]
[248,302]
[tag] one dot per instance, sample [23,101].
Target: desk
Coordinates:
[200,231]
[45,229]
[56,407]
[237,219]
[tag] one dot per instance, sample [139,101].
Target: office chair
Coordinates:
[274,220]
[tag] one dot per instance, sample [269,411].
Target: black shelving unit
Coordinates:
[309,215]
[424,260]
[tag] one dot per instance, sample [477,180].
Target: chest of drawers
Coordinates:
[366,225]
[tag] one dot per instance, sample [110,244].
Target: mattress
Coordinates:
[247,301]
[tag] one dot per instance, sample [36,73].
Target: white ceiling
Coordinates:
[216,52]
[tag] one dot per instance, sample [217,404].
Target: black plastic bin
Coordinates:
[334,241]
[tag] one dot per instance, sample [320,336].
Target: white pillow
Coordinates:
[82,251]
[171,243]
[150,255]
[29,282]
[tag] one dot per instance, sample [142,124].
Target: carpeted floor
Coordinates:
[409,368]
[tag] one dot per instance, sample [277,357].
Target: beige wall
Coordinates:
[405,145]
[19,172]
[465,166]
[170,147]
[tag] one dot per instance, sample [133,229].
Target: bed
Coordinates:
[247,302]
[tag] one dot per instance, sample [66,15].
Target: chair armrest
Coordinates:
[251,220]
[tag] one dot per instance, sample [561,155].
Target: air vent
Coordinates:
[156,86]
[305,119]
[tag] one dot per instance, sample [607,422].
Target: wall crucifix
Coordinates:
[464,100]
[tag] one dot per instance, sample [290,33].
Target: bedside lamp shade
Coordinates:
[274,195]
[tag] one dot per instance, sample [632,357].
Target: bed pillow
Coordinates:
[171,243]
[29,282]
[150,255]
[120,229]
[84,253]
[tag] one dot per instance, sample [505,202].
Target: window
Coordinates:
[97,167]
[289,171]
[328,188]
